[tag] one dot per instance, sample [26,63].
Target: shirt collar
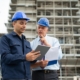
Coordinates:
[14,34]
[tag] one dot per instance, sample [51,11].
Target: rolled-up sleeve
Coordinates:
[6,54]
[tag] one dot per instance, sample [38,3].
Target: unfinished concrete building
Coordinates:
[64,17]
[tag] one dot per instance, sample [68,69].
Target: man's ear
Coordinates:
[13,23]
[49,29]
[36,29]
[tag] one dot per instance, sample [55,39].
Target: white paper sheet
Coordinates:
[52,54]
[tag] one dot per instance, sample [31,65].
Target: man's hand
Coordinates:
[43,63]
[31,56]
[44,41]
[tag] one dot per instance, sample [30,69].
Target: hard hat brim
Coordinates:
[27,19]
[43,25]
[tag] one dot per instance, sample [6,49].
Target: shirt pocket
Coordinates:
[14,44]
[28,48]
[15,47]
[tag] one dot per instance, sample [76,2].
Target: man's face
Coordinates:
[42,30]
[19,26]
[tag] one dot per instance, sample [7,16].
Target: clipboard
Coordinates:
[43,50]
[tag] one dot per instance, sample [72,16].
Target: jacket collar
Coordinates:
[15,34]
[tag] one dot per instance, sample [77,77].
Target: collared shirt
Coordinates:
[13,60]
[53,42]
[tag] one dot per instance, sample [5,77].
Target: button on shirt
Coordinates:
[13,60]
[53,42]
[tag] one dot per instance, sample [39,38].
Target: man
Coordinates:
[16,54]
[44,72]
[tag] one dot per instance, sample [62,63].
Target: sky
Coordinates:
[4,14]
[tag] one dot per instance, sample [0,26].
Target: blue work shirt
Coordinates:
[53,42]
[0,43]
[13,57]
